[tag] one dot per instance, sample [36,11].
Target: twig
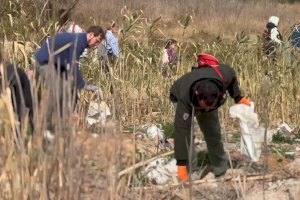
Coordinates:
[191,149]
[240,184]
[129,169]
[229,157]
[265,87]
[277,152]
[68,10]
[228,179]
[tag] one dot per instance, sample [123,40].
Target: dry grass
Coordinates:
[81,167]
[210,16]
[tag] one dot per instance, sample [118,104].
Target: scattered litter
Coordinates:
[297,148]
[197,141]
[289,153]
[161,171]
[153,132]
[97,113]
[286,130]
[95,135]
[139,137]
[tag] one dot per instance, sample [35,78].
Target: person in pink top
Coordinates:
[168,57]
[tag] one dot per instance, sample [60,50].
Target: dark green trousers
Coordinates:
[210,126]
[211,129]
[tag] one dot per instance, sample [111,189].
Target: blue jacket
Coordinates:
[295,37]
[66,56]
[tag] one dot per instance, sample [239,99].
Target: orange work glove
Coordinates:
[182,173]
[244,101]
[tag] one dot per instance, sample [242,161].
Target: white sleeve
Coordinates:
[77,29]
[274,34]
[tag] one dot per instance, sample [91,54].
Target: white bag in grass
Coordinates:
[97,113]
[154,131]
[161,170]
[252,135]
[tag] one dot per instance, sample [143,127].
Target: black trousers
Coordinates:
[20,92]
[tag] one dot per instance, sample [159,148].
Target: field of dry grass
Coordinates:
[79,166]
[210,16]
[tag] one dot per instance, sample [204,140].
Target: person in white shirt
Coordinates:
[271,38]
[66,24]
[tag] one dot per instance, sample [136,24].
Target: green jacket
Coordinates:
[180,93]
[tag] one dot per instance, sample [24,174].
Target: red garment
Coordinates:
[204,60]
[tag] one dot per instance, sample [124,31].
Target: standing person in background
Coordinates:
[110,46]
[65,24]
[271,38]
[295,38]
[168,56]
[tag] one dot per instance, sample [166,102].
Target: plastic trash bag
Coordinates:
[97,113]
[252,135]
[154,131]
[161,170]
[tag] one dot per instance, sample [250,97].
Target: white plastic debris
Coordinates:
[161,170]
[252,135]
[154,131]
[49,136]
[97,113]
[286,130]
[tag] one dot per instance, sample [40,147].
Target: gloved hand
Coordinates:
[244,101]
[92,88]
[182,173]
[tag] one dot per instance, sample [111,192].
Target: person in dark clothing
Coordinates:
[64,64]
[203,91]
[271,38]
[295,38]
[19,84]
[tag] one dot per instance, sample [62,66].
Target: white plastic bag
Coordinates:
[161,170]
[252,135]
[154,131]
[97,113]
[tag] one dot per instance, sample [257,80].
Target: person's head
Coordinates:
[63,17]
[171,44]
[111,26]
[95,35]
[274,20]
[206,95]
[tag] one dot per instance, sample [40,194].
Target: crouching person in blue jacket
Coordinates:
[57,62]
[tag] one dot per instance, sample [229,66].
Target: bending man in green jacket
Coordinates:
[204,91]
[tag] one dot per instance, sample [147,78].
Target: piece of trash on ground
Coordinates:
[97,113]
[155,133]
[286,130]
[161,170]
